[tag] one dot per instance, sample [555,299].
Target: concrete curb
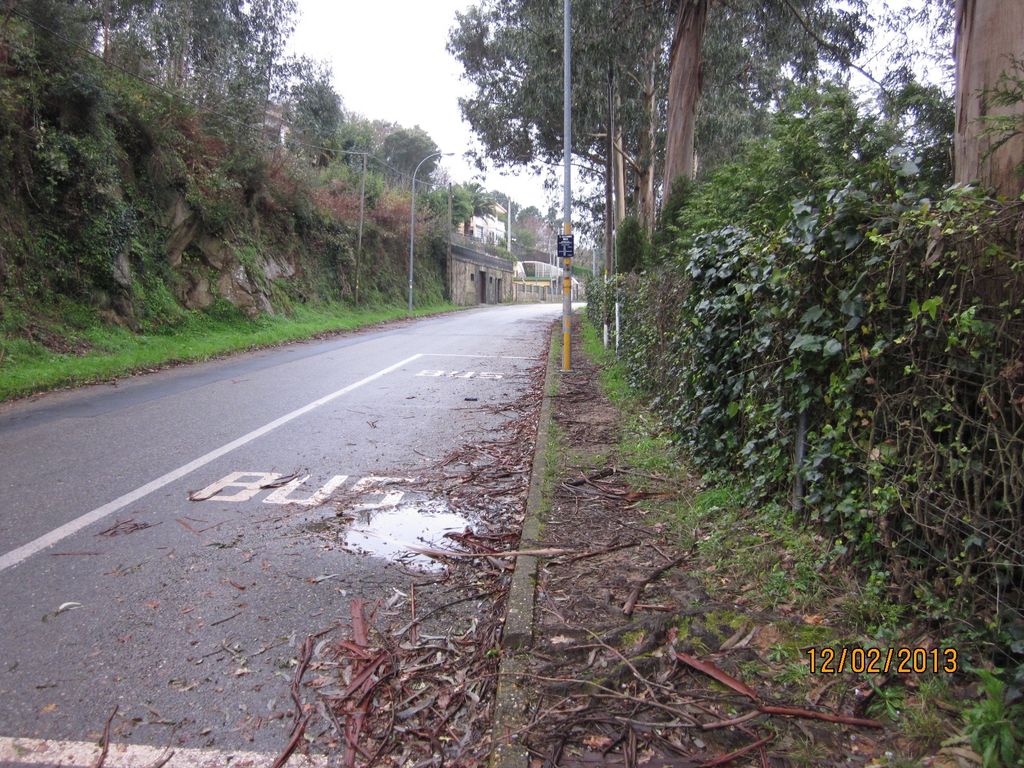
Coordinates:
[510,698]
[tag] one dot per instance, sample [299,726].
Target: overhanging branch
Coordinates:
[834,49]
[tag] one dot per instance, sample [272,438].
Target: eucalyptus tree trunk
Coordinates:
[988,34]
[619,169]
[180,40]
[684,87]
[646,173]
[107,23]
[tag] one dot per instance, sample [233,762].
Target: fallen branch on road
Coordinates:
[124,527]
[596,553]
[550,552]
[715,672]
[726,759]
[297,733]
[105,741]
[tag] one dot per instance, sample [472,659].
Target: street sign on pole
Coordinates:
[566,246]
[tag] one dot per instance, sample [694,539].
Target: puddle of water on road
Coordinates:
[389,532]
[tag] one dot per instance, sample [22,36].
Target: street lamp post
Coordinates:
[412,220]
[567,184]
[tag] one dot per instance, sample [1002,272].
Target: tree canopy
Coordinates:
[404,148]
[751,54]
[317,113]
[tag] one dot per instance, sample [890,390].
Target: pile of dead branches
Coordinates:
[651,705]
[413,698]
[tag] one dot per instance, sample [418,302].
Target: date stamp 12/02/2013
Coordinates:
[874,661]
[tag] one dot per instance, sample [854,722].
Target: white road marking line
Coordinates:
[491,357]
[432,373]
[22,553]
[84,753]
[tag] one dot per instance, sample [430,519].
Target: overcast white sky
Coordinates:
[390,63]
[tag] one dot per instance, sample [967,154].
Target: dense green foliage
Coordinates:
[405,148]
[317,115]
[995,724]
[165,162]
[469,200]
[841,330]
[631,246]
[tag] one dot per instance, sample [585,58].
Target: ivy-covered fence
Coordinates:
[864,363]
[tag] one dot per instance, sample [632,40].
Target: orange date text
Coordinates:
[882,661]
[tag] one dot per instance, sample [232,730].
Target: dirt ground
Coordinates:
[634,664]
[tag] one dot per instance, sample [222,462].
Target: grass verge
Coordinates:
[32,363]
[802,593]
[762,557]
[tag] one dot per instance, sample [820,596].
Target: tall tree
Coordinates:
[317,114]
[989,138]
[404,148]
[511,52]
[780,41]
[684,87]
[228,54]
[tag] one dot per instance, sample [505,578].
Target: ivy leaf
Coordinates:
[806,342]
[909,168]
[931,306]
[832,348]
[812,314]
[853,307]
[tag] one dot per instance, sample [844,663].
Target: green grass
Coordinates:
[643,444]
[613,376]
[28,366]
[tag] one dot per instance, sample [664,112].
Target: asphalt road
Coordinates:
[117,588]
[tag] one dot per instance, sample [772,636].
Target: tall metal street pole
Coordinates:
[448,261]
[567,186]
[412,221]
[609,221]
[362,205]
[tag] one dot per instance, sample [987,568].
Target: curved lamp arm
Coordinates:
[412,217]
